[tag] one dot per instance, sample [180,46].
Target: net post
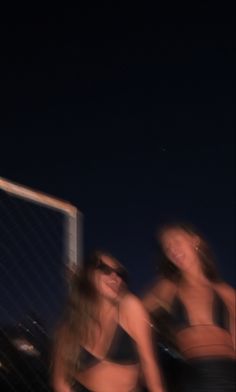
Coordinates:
[73,218]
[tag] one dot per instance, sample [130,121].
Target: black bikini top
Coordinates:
[220,313]
[122,350]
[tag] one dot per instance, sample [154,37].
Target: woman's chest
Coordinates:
[196,305]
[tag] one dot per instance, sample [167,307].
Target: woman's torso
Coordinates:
[112,363]
[201,322]
[106,376]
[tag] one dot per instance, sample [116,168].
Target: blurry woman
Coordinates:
[200,309]
[104,342]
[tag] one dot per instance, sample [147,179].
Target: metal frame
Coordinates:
[73,217]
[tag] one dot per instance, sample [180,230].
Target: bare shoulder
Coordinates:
[160,294]
[227,292]
[165,285]
[132,310]
[130,303]
[225,288]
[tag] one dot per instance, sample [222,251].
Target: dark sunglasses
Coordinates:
[107,270]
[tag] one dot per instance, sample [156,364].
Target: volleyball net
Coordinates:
[40,241]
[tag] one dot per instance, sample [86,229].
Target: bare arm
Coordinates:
[228,294]
[159,296]
[136,321]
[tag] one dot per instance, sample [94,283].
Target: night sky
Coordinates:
[128,113]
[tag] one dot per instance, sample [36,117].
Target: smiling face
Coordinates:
[108,277]
[179,247]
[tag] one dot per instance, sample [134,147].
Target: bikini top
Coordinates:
[220,313]
[122,350]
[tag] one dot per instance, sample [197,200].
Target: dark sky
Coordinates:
[127,112]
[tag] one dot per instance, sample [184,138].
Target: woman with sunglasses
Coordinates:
[104,342]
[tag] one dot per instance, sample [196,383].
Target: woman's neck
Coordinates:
[107,308]
[195,275]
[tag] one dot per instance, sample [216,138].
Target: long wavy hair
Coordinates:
[81,315]
[166,269]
